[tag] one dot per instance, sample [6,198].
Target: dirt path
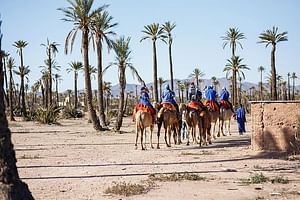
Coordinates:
[72,161]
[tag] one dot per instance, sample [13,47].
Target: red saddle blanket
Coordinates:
[212,105]
[225,104]
[194,105]
[144,108]
[168,106]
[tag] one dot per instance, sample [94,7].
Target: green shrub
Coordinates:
[47,115]
[69,112]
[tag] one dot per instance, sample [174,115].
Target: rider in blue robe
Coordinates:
[168,96]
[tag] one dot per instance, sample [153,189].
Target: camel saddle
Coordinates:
[225,104]
[212,105]
[169,106]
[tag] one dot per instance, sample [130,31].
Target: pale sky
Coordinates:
[197,36]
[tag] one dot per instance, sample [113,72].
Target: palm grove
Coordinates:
[95,28]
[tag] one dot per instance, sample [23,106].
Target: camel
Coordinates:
[192,119]
[214,120]
[206,118]
[225,115]
[169,119]
[143,119]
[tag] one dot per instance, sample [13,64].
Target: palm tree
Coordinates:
[235,67]
[161,81]
[80,14]
[289,91]
[107,93]
[154,32]
[102,24]
[11,66]
[232,37]
[261,69]
[272,37]
[23,71]
[168,27]
[57,78]
[75,66]
[11,186]
[186,86]
[122,51]
[51,49]
[294,76]
[5,55]
[279,80]
[197,74]
[178,84]
[268,78]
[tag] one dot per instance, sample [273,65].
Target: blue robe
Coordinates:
[224,95]
[210,94]
[241,119]
[169,97]
[144,99]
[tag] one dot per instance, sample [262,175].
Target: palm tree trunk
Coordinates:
[155,72]
[171,66]
[234,88]
[100,83]
[56,92]
[50,76]
[11,187]
[261,86]
[274,89]
[22,90]
[289,91]
[75,90]
[293,92]
[88,88]
[11,113]
[122,83]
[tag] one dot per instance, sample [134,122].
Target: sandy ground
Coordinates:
[72,161]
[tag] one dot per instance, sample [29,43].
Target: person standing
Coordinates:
[241,119]
[192,90]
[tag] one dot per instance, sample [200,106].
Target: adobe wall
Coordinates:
[274,125]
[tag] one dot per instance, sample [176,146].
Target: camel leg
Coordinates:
[166,136]
[188,136]
[151,131]
[229,127]
[169,136]
[179,134]
[175,134]
[137,135]
[159,124]
[142,135]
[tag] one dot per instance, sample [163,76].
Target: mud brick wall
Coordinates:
[274,125]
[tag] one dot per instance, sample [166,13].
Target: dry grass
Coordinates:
[258,178]
[176,177]
[129,189]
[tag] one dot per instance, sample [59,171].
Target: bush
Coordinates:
[48,115]
[69,112]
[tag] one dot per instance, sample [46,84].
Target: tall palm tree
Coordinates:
[235,67]
[51,50]
[197,74]
[233,37]
[10,67]
[107,93]
[186,87]
[168,27]
[11,186]
[154,32]
[102,25]
[80,13]
[122,51]
[268,78]
[5,55]
[289,91]
[178,84]
[161,81]
[75,66]
[57,79]
[279,80]
[23,72]
[272,37]
[294,76]
[261,69]
[215,82]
